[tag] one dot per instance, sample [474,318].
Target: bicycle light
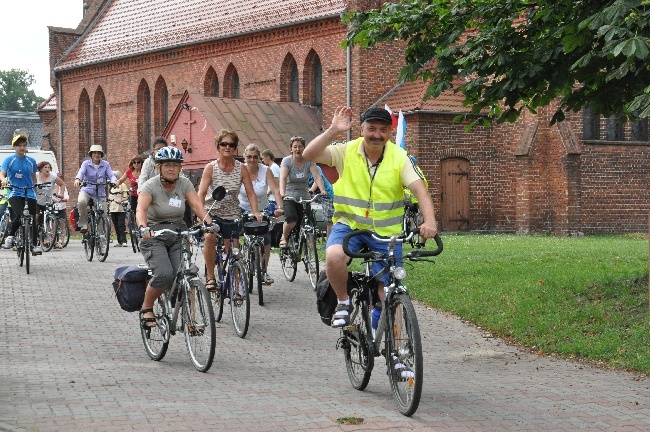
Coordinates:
[399,273]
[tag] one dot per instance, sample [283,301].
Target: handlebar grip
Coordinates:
[427,253]
[348,252]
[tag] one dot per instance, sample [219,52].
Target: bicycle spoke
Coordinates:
[239,299]
[156,338]
[198,326]
[356,339]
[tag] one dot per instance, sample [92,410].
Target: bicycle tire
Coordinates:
[89,238]
[240,305]
[200,331]
[133,233]
[311,258]
[5,223]
[260,258]
[289,264]
[27,248]
[63,232]
[405,360]
[359,357]
[156,339]
[49,233]
[217,297]
[19,243]
[103,238]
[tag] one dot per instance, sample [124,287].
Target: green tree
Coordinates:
[15,94]
[521,54]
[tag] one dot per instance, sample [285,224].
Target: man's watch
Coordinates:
[144,230]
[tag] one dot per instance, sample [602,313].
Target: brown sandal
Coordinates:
[211,285]
[144,322]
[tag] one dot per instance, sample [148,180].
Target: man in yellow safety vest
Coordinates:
[369,193]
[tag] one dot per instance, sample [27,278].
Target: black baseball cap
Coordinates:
[376,114]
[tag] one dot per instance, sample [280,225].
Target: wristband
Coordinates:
[144,230]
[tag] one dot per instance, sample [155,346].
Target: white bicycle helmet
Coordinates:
[168,154]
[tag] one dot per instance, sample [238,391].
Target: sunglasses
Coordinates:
[227,144]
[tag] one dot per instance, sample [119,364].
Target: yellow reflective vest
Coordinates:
[376,204]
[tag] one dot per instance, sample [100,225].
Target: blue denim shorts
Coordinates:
[340,230]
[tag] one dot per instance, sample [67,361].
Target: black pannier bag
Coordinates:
[130,285]
[256,228]
[326,300]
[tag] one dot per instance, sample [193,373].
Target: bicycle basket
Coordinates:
[256,228]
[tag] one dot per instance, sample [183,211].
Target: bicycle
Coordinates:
[62,226]
[301,245]
[232,282]
[188,299]
[47,227]
[253,250]
[397,324]
[98,236]
[132,226]
[5,223]
[24,234]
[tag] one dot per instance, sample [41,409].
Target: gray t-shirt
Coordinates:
[297,185]
[147,171]
[166,206]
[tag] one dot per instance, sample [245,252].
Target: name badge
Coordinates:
[175,202]
[19,175]
[300,175]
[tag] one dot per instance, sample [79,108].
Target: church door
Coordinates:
[455,194]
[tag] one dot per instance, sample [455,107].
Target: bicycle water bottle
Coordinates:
[376,313]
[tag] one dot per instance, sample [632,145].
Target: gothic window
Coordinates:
[99,119]
[211,83]
[313,80]
[144,117]
[85,139]
[639,130]
[289,85]
[615,129]
[160,106]
[591,124]
[231,83]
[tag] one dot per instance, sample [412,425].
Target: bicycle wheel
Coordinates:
[217,297]
[27,244]
[240,306]
[62,232]
[133,233]
[359,359]
[156,339]
[255,270]
[198,325]
[103,238]
[20,249]
[310,254]
[405,360]
[89,238]
[49,233]
[261,259]
[5,222]
[289,264]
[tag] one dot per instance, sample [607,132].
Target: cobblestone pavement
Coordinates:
[71,359]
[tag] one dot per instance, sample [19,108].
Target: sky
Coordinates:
[25,42]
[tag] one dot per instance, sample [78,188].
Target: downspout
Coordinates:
[348,79]
[59,116]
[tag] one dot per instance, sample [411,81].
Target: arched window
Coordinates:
[615,129]
[144,117]
[231,83]
[313,80]
[639,130]
[211,83]
[289,85]
[85,140]
[160,106]
[99,119]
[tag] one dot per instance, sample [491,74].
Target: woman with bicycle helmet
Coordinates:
[226,172]
[161,204]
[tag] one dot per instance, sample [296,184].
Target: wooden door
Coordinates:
[455,194]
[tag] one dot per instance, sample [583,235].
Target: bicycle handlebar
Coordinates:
[303,201]
[413,255]
[37,185]
[190,231]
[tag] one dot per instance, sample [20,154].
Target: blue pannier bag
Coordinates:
[130,285]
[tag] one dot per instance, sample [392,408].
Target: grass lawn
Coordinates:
[583,298]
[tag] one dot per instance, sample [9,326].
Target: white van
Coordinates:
[39,155]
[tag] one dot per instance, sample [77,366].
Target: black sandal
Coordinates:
[211,285]
[144,322]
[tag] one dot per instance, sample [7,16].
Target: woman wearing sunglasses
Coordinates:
[131,175]
[226,172]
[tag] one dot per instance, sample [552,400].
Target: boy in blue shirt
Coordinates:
[20,170]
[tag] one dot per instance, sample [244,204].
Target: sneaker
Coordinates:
[267,279]
[341,317]
[9,242]
[36,250]
[84,229]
